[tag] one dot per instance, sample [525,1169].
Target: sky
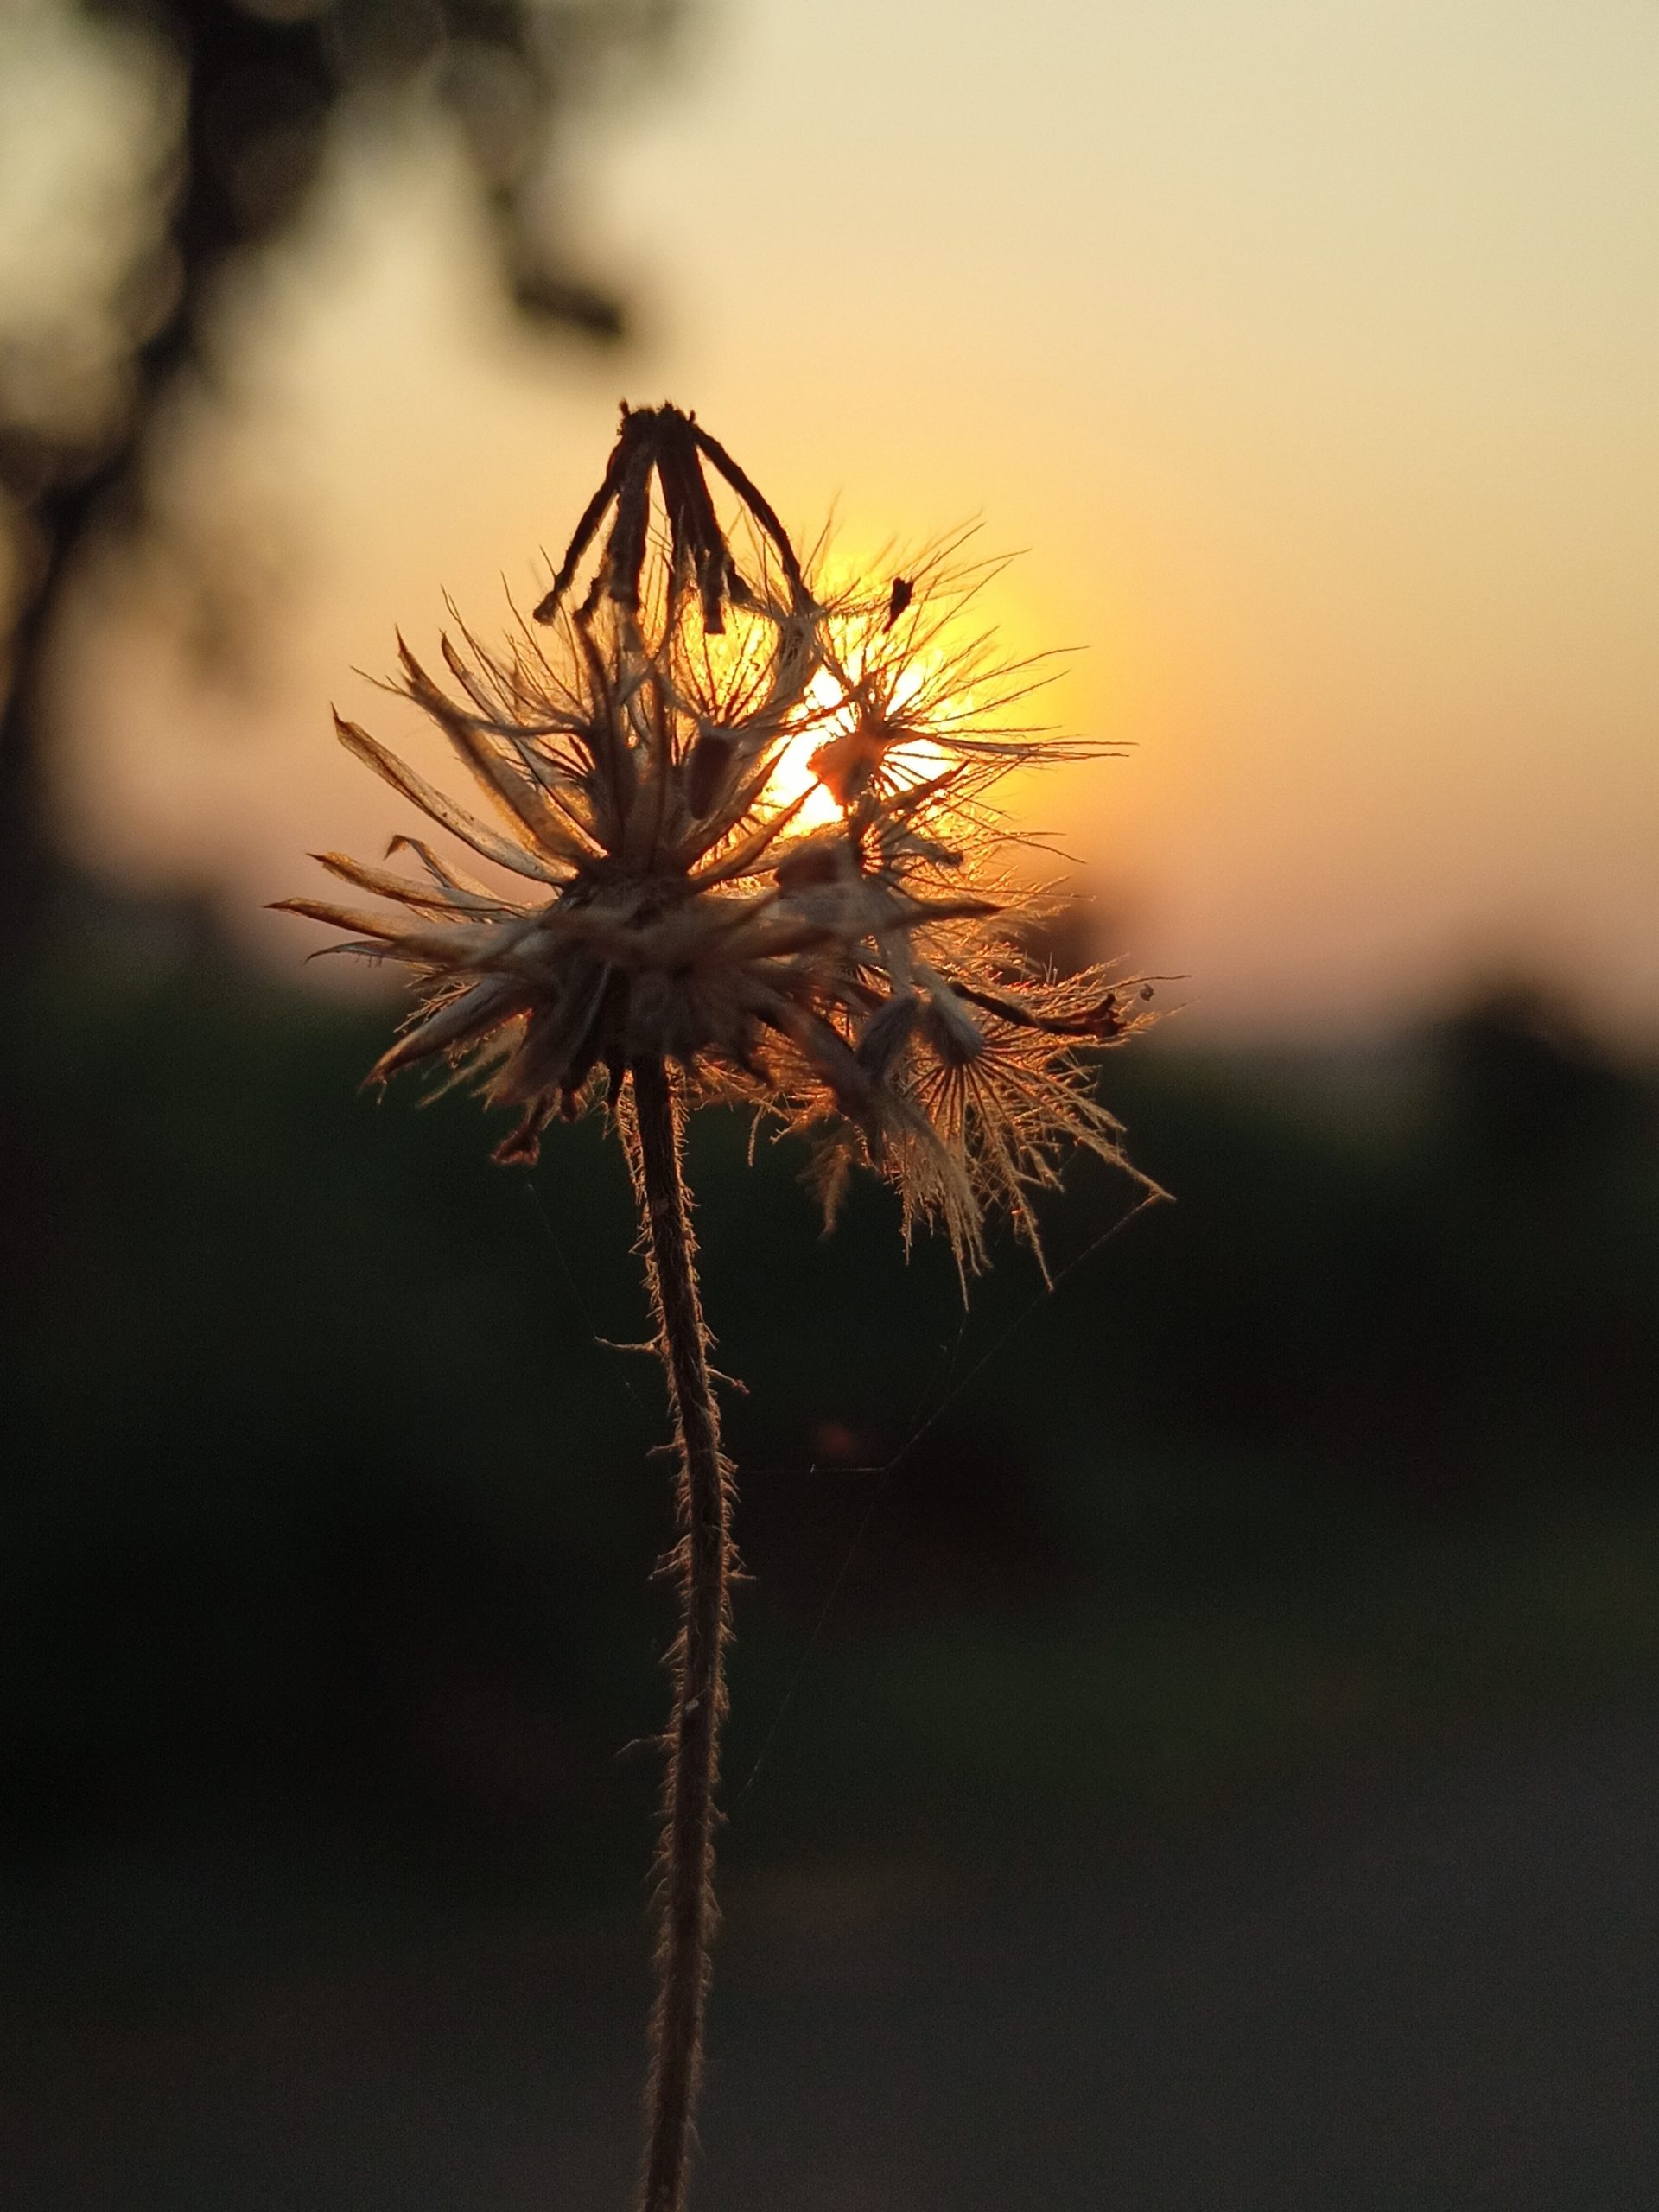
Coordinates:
[1304,354]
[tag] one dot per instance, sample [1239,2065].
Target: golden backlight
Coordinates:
[867,707]
[1311,358]
[836,716]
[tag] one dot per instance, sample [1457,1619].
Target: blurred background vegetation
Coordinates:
[332,1507]
[329,1519]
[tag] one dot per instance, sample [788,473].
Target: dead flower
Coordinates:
[751,831]
[742,827]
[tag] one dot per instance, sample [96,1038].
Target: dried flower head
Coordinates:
[752,830]
[749,826]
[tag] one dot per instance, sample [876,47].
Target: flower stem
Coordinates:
[703,1561]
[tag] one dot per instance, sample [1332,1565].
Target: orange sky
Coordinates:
[1311,352]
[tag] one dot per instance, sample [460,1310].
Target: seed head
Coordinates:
[749,826]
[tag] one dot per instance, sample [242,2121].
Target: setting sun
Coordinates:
[836,720]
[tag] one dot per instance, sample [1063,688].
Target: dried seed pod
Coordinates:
[837,945]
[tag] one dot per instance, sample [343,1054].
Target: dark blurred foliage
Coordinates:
[246,100]
[328,1509]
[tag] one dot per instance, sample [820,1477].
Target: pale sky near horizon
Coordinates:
[1311,351]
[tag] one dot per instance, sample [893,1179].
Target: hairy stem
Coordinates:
[703,1561]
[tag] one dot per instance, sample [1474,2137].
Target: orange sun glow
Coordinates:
[832,710]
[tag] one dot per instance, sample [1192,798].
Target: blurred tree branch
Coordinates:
[245,99]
